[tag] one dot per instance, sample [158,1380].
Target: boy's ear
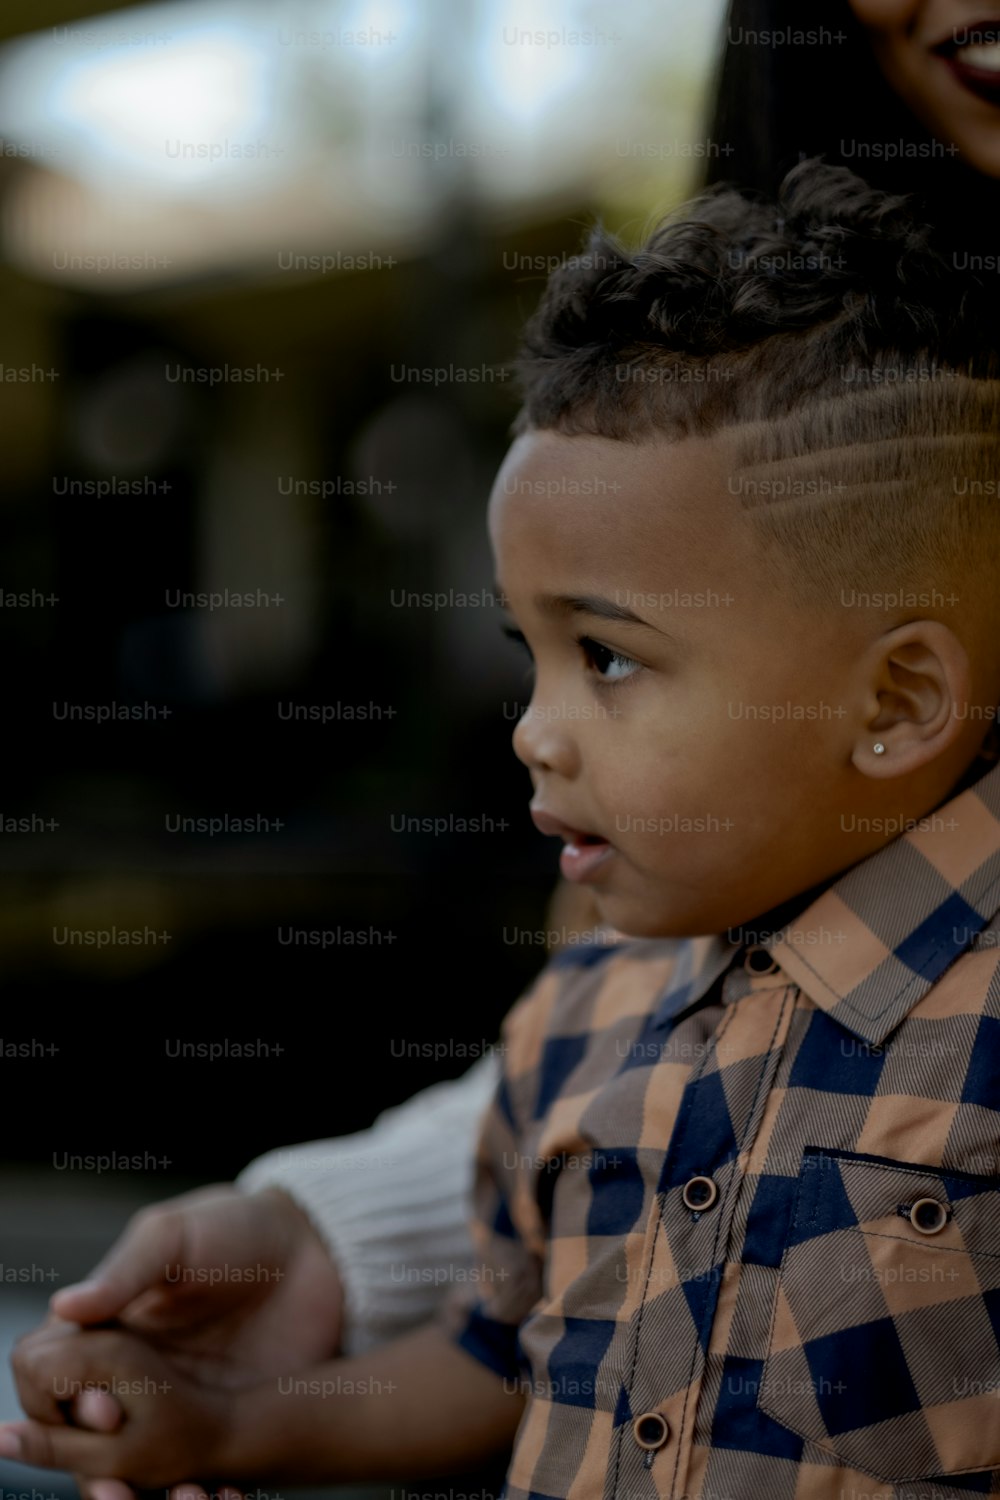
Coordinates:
[919,680]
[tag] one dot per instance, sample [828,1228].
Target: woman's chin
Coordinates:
[981,150]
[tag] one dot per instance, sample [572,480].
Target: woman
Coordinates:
[904,92]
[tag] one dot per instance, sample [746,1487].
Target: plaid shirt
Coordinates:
[738,1207]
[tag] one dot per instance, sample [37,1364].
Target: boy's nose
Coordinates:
[542,741]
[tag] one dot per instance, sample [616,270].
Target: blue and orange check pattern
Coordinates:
[826,1325]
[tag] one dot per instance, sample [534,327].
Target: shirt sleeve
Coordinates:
[505,1280]
[392,1204]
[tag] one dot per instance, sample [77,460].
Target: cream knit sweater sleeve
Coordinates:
[391,1203]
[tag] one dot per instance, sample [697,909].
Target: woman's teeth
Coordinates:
[985,55]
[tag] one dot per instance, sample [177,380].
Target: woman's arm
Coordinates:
[391,1203]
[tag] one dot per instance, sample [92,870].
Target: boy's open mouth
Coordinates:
[583,853]
[973,54]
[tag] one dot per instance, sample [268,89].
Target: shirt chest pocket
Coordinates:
[883,1347]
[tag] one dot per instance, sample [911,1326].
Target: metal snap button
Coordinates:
[650,1430]
[928,1216]
[699,1193]
[760,960]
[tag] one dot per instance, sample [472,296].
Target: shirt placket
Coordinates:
[689,1234]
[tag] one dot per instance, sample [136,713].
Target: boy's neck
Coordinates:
[772,921]
[759,929]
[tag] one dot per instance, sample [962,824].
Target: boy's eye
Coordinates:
[610,665]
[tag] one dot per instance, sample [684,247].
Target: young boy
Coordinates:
[738,1197]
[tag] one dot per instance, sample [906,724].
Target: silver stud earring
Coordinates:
[879,748]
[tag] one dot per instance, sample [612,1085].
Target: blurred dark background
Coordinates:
[322,199]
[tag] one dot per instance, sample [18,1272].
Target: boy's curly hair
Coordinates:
[849,368]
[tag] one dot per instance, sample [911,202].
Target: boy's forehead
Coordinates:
[546,451]
[631,493]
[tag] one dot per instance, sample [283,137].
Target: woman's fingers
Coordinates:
[47,1447]
[49,1371]
[195,1492]
[134,1265]
[98,1410]
[103,1489]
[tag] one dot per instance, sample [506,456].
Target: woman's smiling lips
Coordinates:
[973,55]
[583,853]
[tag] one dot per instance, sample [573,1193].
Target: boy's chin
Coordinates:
[637,919]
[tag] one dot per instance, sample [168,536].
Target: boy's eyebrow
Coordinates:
[587,604]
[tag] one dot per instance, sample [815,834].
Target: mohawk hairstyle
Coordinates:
[851,372]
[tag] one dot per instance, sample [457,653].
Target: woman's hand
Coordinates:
[230,1286]
[168,1426]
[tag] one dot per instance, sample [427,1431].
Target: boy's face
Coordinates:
[709,745]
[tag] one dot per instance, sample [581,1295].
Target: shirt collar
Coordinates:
[876,940]
[699,963]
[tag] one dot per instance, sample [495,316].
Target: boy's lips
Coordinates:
[973,55]
[583,853]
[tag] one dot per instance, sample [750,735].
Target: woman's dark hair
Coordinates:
[774,102]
